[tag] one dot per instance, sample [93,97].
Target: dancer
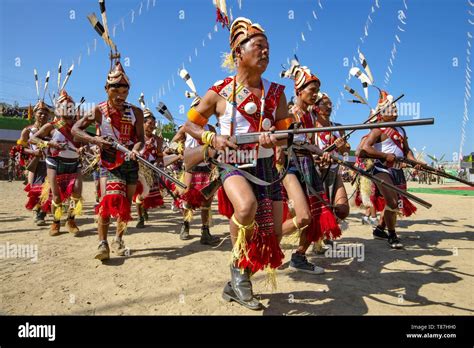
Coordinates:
[312,219]
[148,195]
[385,144]
[245,103]
[36,168]
[63,164]
[122,122]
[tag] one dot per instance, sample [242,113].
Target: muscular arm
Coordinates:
[78,130]
[24,138]
[140,132]
[280,114]
[368,149]
[207,107]
[43,132]
[346,147]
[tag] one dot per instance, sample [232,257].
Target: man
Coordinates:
[36,169]
[332,180]
[247,103]
[63,163]
[385,144]
[122,122]
[148,195]
[196,179]
[313,219]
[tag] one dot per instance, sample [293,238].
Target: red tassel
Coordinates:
[408,208]
[153,200]
[323,221]
[33,194]
[224,205]
[115,202]
[193,198]
[263,247]
[358,199]
[115,205]
[66,185]
[138,191]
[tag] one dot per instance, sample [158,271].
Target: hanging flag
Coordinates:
[398,39]
[215,28]
[389,69]
[319,3]
[405,4]
[302,37]
[401,16]
[209,36]
[377,3]
[314,15]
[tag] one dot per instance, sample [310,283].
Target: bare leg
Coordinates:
[391,200]
[340,199]
[243,200]
[297,195]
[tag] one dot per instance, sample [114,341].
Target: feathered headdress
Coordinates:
[146,111]
[300,74]
[367,79]
[117,71]
[241,30]
[40,104]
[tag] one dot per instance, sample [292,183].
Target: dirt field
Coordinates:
[164,275]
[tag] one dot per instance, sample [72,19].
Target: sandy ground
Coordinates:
[164,275]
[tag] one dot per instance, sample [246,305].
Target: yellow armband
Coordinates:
[22,142]
[195,117]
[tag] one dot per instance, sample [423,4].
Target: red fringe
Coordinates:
[138,191]
[223,203]
[263,247]
[358,199]
[115,204]
[66,185]
[408,208]
[33,194]
[323,221]
[153,200]
[193,198]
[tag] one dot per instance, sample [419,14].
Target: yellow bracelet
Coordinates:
[43,144]
[207,137]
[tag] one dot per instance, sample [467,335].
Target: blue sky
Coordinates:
[159,42]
